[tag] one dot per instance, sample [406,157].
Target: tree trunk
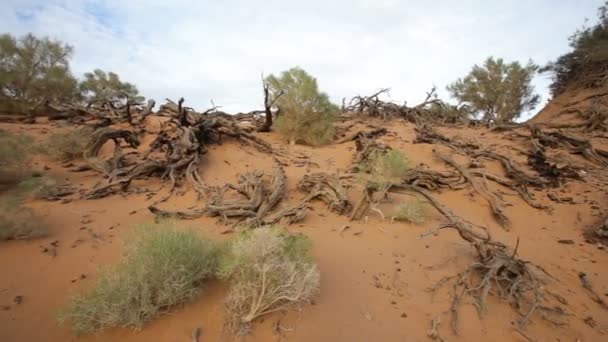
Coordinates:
[267,110]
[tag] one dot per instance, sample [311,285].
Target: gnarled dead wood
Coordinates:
[592,293]
[497,271]
[122,178]
[520,189]
[422,113]
[512,171]
[425,134]
[328,189]
[481,189]
[369,134]
[290,215]
[573,144]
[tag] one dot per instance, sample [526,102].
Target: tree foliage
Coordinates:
[498,91]
[306,114]
[35,69]
[587,64]
[101,86]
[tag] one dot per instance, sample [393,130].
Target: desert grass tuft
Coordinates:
[18,222]
[412,211]
[164,268]
[15,156]
[69,145]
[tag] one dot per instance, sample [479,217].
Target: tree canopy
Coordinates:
[306,114]
[35,69]
[587,64]
[99,85]
[497,91]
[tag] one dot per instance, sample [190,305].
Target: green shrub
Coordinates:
[39,188]
[389,167]
[164,267]
[586,64]
[412,211]
[18,222]
[269,270]
[15,156]
[69,145]
[306,114]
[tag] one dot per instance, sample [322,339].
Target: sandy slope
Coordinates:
[375,275]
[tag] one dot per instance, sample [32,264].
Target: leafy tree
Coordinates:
[101,86]
[306,115]
[499,91]
[33,70]
[587,64]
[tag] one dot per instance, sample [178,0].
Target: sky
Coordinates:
[217,50]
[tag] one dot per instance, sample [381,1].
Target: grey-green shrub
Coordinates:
[15,156]
[18,222]
[39,187]
[268,270]
[69,145]
[392,164]
[163,268]
[412,211]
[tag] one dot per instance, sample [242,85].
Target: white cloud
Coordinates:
[207,50]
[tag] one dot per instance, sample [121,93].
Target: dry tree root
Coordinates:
[512,171]
[481,189]
[174,154]
[520,189]
[554,172]
[290,215]
[328,189]
[594,295]
[425,134]
[601,229]
[497,271]
[573,144]
[433,333]
[122,178]
[422,113]
[98,139]
[369,134]
[261,195]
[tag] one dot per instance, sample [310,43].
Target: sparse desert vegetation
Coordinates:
[69,144]
[18,222]
[268,270]
[15,156]
[250,204]
[389,167]
[164,268]
[414,211]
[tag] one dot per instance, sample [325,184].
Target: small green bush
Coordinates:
[18,222]
[412,211]
[164,267]
[269,270]
[15,156]
[389,167]
[69,145]
[39,187]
